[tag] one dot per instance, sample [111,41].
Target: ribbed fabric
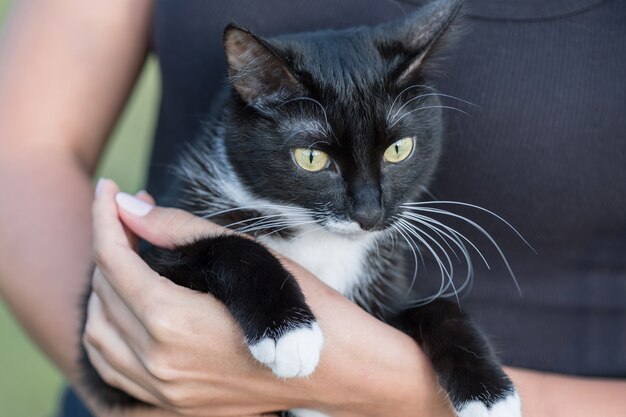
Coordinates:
[546,149]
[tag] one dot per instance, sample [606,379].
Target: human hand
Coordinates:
[149,346]
[182,351]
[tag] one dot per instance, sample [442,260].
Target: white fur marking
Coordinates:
[264,351]
[509,406]
[335,259]
[295,354]
[344,227]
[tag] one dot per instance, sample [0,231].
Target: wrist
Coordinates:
[368,368]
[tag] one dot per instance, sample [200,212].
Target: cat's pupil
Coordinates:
[311,157]
[397,148]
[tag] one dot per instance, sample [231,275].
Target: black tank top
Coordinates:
[545,148]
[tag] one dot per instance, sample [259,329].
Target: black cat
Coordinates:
[319,149]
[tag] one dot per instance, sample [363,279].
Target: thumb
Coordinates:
[145,196]
[132,237]
[162,226]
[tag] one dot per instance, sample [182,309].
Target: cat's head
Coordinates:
[340,123]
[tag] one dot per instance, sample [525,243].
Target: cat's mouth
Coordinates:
[349,228]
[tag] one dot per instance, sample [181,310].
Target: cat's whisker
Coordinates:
[271,225]
[437,232]
[406,103]
[304,98]
[266,217]
[455,98]
[267,223]
[409,232]
[255,207]
[482,231]
[290,226]
[423,263]
[450,230]
[460,203]
[419,233]
[426,95]
[411,87]
[274,223]
[319,129]
[455,240]
[411,247]
[425,108]
[410,242]
[298,236]
[410,228]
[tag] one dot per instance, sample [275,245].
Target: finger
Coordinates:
[122,317]
[143,195]
[105,219]
[113,360]
[133,238]
[164,227]
[127,273]
[115,379]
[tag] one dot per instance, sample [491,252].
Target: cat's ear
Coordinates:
[256,70]
[407,44]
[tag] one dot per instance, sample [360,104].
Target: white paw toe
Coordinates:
[509,406]
[264,351]
[295,354]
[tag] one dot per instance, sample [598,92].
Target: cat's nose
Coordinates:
[367,210]
[368,217]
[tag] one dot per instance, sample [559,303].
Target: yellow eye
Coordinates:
[399,151]
[311,159]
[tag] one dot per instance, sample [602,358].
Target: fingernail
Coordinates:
[99,186]
[132,204]
[141,192]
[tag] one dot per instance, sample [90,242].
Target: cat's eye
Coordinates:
[399,150]
[312,160]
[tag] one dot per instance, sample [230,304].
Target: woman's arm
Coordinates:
[553,395]
[66,69]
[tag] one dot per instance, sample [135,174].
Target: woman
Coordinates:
[547,133]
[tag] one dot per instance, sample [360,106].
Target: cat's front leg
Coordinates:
[463,360]
[279,327]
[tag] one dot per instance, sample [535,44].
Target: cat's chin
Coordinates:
[349,229]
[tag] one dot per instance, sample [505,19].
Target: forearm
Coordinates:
[45,247]
[552,395]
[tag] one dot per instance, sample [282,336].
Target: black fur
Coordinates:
[465,364]
[350,94]
[261,295]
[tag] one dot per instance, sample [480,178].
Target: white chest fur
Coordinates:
[335,259]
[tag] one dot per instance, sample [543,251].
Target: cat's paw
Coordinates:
[509,406]
[295,353]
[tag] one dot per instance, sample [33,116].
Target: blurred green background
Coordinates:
[29,383]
